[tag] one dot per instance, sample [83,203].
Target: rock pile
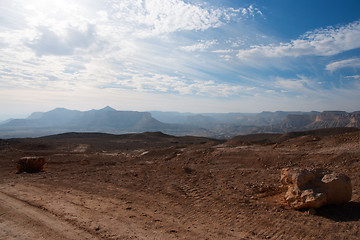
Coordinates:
[314,188]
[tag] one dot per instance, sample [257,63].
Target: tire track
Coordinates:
[253,223]
[204,208]
[37,222]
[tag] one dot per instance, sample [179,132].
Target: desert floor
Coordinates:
[155,186]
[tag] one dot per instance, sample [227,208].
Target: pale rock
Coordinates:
[314,188]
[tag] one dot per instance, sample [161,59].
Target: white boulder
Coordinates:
[314,188]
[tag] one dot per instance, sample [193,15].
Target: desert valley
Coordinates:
[157,186]
[179,119]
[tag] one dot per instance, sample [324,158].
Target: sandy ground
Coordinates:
[160,187]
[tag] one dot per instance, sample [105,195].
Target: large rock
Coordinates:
[30,164]
[314,188]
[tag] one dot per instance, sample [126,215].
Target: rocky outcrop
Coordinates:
[326,119]
[315,188]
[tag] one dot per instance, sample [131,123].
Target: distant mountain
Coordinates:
[171,117]
[6,121]
[216,125]
[106,120]
[228,125]
[302,121]
[35,115]
[247,119]
[326,119]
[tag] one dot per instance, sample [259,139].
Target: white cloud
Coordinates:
[291,84]
[321,42]
[353,77]
[222,51]
[200,46]
[51,43]
[174,84]
[270,91]
[348,63]
[154,17]
[300,86]
[65,45]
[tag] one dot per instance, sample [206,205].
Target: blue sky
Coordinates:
[179,55]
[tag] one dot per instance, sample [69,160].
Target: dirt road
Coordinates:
[22,220]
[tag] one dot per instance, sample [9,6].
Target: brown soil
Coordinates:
[155,186]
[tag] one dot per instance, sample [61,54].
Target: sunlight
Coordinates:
[58,16]
[48,7]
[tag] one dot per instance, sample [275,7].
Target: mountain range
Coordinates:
[216,125]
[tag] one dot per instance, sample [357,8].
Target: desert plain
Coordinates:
[157,186]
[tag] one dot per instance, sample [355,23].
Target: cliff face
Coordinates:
[327,119]
[297,122]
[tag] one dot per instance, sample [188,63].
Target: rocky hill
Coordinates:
[326,119]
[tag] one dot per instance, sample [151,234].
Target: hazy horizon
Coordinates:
[24,116]
[186,56]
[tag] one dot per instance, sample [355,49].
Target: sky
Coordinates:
[179,55]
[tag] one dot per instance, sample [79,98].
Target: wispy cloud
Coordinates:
[48,42]
[299,84]
[136,50]
[200,46]
[348,63]
[64,45]
[353,77]
[154,17]
[321,42]
[175,84]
